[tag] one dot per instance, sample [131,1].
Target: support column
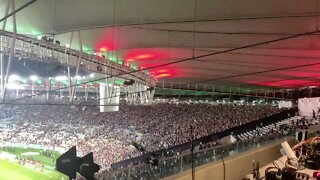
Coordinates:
[2,44]
[78,66]
[150,95]
[112,86]
[86,93]
[136,93]
[109,102]
[13,42]
[68,68]
[70,82]
[97,92]
[144,94]
[61,92]
[32,90]
[141,94]
[1,65]
[48,89]
[130,94]
[17,93]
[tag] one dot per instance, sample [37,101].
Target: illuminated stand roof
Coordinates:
[149,33]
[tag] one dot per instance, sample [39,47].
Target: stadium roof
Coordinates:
[153,32]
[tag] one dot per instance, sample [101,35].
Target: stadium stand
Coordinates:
[109,135]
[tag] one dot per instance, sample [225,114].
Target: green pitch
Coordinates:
[11,170]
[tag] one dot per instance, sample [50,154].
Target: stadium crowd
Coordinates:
[110,135]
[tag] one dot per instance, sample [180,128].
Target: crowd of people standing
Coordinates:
[110,135]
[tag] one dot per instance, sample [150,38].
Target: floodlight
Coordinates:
[33,78]
[61,78]
[14,77]
[14,86]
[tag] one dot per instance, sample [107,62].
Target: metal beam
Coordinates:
[1,65]
[13,42]
[17,10]
[68,68]
[78,66]
[285,17]
[2,44]
[6,14]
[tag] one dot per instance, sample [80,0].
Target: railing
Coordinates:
[207,139]
[212,90]
[40,50]
[180,163]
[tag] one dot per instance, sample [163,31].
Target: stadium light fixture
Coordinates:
[92,75]
[33,78]
[67,45]
[13,77]
[14,86]
[78,78]
[61,78]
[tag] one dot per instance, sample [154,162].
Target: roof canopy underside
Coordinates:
[150,33]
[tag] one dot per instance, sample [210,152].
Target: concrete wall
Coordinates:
[236,167]
[308,105]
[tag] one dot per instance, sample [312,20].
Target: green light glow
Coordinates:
[113,59]
[120,82]
[87,50]
[65,82]
[36,33]
[39,81]
[22,30]
[134,67]
[24,81]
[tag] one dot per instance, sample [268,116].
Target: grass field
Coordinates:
[11,170]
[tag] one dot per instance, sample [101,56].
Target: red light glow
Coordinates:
[162,71]
[288,83]
[144,56]
[103,49]
[163,75]
[107,42]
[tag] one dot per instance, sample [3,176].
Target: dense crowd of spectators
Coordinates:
[110,135]
[209,152]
